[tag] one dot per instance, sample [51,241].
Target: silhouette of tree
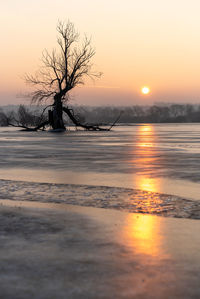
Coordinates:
[63,69]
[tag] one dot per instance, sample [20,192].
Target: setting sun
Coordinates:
[145,90]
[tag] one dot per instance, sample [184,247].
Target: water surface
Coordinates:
[161,158]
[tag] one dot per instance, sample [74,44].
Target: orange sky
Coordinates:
[154,43]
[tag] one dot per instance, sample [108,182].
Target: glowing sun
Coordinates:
[145,90]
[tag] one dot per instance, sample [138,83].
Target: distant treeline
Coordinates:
[170,113]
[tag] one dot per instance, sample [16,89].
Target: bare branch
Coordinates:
[65,67]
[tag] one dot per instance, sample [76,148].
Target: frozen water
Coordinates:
[155,157]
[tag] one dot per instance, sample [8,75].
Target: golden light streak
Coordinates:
[148,184]
[143,233]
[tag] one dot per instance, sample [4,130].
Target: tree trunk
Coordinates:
[56,119]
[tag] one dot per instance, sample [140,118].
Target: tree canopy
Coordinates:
[65,67]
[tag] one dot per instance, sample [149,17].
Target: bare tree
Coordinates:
[63,69]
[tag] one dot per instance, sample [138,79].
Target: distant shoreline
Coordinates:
[136,114]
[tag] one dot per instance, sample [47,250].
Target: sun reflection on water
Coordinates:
[146,136]
[143,233]
[148,184]
[146,158]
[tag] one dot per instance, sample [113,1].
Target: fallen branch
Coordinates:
[42,125]
[70,114]
[117,119]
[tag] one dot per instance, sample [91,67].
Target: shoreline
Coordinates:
[123,199]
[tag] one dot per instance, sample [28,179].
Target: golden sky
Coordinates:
[152,43]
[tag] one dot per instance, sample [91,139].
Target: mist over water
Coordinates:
[161,158]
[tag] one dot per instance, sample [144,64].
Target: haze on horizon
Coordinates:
[138,43]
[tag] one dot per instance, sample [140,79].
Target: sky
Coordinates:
[154,43]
